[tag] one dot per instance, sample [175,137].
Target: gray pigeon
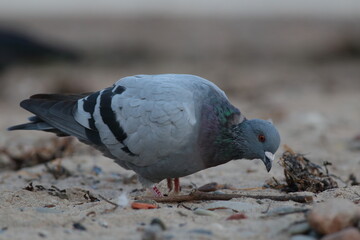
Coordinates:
[160,126]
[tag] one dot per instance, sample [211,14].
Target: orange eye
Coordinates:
[261,138]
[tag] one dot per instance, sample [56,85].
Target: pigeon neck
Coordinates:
[223,149]
[226,146]
[216,138]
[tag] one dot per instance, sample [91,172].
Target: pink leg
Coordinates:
[169,184]
[156,191]
[177,185]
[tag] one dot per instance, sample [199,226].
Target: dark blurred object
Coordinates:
[19,48]
[354,143]
[346,48]
[353,180]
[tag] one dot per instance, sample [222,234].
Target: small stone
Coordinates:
[48,210]
[346,234]
[79,226]
[302,237]
[96,170]
[201,231]
[354,143]
[157,221]
[204,212]
[299,228]
[284,210]
[333,215]
[210,187]
[182,214]
[154,231]
[42,235]
[103,223]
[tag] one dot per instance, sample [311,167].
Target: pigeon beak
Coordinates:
[268,159]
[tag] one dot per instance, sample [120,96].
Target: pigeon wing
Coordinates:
[140,122]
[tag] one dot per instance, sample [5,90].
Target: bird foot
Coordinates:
[175,186]
[172,187]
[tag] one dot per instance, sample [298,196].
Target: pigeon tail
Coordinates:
[37,124]
[53,113]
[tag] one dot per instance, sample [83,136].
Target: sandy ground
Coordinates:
[301,74]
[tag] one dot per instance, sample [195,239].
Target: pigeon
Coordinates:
[163,126]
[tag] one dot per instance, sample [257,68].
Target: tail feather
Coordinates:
[37,124]
[59,97]
[32,126]
[54,113]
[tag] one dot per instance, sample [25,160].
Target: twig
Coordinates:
[196,195]
[326,163]
[110,202]
[267,209]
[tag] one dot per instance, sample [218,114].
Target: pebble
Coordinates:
[299,228]
[79,226]
[204,212]
[346,234]
[97,170]
[354,144]
[284,210]
[201,231]
[157,221]
[154,231]
[302,237]
[103,223]
[210,187]
[42,234]
[47,210]
[333,215]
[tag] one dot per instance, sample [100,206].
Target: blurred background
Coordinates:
[296,62]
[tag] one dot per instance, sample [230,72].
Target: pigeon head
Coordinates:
[257,139]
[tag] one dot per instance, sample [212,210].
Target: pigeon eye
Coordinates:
[261,138]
